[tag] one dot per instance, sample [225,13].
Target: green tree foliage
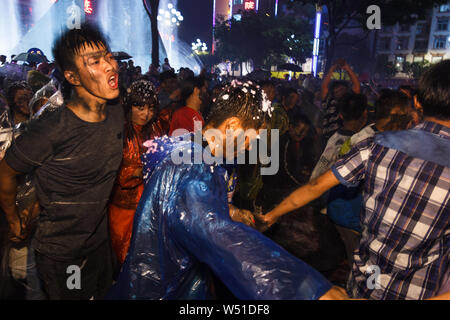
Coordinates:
[384,68]
[263,39]
[415,69]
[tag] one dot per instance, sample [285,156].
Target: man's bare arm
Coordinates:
[8,191]
[354,78]
[326,81]
[302,196]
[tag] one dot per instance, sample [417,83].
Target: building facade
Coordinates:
[426,40]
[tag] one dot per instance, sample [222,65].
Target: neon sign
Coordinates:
[249,5]
[87,7]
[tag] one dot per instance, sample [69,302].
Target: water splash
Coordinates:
[9,27]
[178,51]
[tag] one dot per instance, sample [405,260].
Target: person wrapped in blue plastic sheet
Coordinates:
[182,228]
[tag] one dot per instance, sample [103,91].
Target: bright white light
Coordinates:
[161,11]
[174,20]
[173,11]
[180,18]
[159,18]
[170,6]
[167,14]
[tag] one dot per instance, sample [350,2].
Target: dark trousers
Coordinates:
[80,279]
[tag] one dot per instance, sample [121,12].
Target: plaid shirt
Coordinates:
[405,220]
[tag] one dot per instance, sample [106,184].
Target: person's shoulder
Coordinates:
[49,119]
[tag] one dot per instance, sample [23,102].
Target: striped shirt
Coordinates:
[405,220]
[331,121]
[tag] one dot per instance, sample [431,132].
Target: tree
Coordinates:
[153,14]
[341,13]
[415,69]
[384,67]
[263,39]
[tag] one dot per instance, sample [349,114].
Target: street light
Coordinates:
[316,39]
[199,47]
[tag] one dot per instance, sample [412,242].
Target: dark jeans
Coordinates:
[60,281]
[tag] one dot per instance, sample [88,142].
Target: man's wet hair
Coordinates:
[390,100]
[70,43]
[241,100]
[434,91]
[352,106]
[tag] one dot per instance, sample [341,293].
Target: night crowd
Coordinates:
[362,188]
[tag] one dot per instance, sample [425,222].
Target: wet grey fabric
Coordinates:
[75,164]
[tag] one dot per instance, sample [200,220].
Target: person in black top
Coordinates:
[74,153]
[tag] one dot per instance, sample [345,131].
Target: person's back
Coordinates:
[406,199]
[353,113]
[405,219]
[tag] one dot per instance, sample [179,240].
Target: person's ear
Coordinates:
[417,104]
[233,123]
[72,77]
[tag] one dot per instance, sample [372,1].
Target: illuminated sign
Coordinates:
[249,5]
[87,6]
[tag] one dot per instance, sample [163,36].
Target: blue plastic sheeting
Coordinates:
[182,230]
[344,206]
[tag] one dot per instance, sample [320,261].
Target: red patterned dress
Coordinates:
[128,190]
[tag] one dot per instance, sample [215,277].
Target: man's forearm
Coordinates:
[326,81]
[305,194]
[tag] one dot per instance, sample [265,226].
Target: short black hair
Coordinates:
[352,106]
[390,100]
[245,101]
[68,45]
[266,83]
[187,87]
[297,118]
[286,92]
[434,91]
[163,76]
[12,90]
[337,83]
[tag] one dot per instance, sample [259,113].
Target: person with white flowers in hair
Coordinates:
[141,108]
[182,229]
